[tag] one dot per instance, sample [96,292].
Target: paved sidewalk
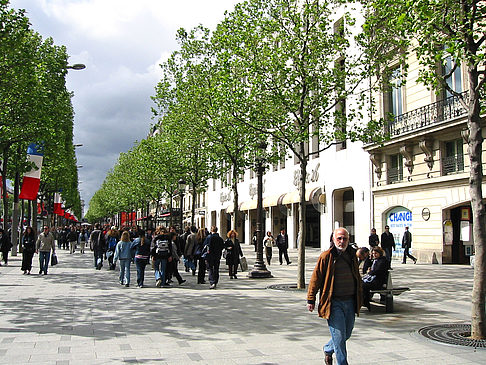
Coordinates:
[77,315]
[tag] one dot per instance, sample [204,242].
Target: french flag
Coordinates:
[31,181]
[58,204]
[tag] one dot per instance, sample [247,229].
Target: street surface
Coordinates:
[78,315]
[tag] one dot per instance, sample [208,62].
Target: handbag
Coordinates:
[54,261]
[367,278]
[243,263]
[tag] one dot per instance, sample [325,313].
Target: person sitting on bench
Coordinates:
[376,276]
[364,262]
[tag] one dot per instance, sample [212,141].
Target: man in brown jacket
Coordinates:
[336,276]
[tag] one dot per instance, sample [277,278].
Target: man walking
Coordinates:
[215,249]
[283,246]
[97,245]
[336,276]
[407,244]
[43,246]
[388,243]
[72,238]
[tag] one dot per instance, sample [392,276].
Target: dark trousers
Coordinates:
[233,270]
[406,254]
[27,261]
[174,271]
[388,254]
[140,263]
[201,274]
[5,256]
[98,254]
[286,255]
[213,264]
[268,254]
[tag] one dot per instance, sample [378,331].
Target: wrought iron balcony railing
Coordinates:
[451,164]
[435,113]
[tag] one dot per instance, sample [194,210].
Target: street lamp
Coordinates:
[259,269]
[182,187]
[76,66]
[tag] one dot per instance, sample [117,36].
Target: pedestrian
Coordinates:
[337,278]
[72,238]
[142,256]
[28,250]
[373,239]
[388,243]
[233,253]
[45,243]
[213,258]
[283,246]
[407,244]
[268,243]
[161,252]
[123,252]
[97,245]
[83,238]
[112,237]
[173,264]
[5,245]
[189,249]
[198,257]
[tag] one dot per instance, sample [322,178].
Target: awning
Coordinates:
[272,201]
[294,196]
[248,205]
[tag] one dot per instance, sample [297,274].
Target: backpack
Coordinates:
[112,241]
[162,248]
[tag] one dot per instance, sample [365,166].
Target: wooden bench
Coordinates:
[388,292]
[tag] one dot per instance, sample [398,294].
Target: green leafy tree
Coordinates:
[438,31]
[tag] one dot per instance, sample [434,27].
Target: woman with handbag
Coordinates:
[28,250]
[377,274]
[233,253]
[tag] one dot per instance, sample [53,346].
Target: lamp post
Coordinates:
[260,270]
[182,187]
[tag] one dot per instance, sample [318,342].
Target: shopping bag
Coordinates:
[243,263]
[54,259]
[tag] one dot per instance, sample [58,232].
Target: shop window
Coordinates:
[395,168]
[453,159]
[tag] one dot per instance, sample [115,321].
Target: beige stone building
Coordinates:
[420,175]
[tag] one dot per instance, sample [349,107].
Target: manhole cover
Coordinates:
[287,287]
[453,334]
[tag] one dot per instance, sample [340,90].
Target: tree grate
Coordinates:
[452,334]
[285,287]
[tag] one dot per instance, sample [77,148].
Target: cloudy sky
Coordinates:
[122,43]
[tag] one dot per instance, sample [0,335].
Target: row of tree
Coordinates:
[291,71]
[35,107]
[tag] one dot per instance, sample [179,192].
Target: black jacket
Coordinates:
[387,240]
[283,241]
[379,268]
[215,247]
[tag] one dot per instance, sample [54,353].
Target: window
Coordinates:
[395,168]
[455,80]
[395,105]
[453,160]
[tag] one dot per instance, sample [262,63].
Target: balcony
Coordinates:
[452,164]
[435,113]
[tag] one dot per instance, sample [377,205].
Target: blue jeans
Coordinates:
[160,266]
[140,263]
[44,257]
[125,271]
[341,323]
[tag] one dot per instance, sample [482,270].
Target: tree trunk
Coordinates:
[478,311]
[236,212]
[302,220]
[193,207]
[15,215]
[4,190]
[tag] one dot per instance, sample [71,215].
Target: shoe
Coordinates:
[158,283]
[201,282]
[121,282]
[40,272]
[288,263]
[140,286]
[234,277]
[45,272]
[280,263]
[28,272]
[187,269]
[127,285]
[193,272]
[25,272]
[231,277]
[327,358]
[414,261]
[182,282]
[212,286]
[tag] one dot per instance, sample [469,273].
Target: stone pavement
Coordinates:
[77,315]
